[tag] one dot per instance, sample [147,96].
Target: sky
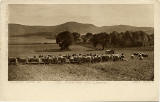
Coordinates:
[97,14]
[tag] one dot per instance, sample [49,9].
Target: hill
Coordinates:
[17,30]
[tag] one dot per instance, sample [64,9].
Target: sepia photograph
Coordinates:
[79,50]
[80,42]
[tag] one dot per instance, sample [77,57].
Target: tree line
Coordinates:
[113,39]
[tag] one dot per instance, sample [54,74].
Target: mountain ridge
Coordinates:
[82,28]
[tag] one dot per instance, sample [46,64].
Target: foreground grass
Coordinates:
[131,70]
[116,71]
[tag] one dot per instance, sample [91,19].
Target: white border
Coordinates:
[73,90]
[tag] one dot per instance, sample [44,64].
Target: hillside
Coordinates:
[16,30]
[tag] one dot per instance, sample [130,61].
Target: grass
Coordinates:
[131,70]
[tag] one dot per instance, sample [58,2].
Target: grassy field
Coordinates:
[131,70]
[29,40]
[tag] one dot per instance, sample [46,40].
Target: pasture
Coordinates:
[131,70]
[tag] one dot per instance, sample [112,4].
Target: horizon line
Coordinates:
[80,23]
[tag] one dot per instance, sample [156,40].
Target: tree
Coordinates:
[83,37]
[151,39]
[140,38]
[94,40]
[128,39]
[100,38]
[89,36]
[114,38]
[76,36]
[64,39]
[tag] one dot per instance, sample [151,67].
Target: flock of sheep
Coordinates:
[109,55]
